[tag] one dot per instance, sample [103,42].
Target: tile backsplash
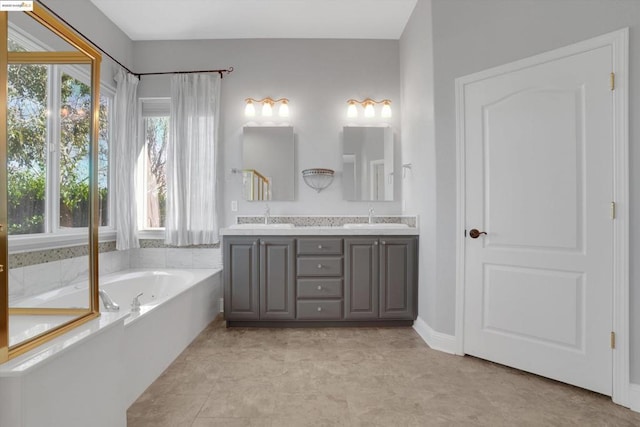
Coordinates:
[326,221]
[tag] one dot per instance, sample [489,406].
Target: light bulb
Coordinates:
[267,111]
[369,111]
[386,110]
[283,111]
[352,111]
[249,110]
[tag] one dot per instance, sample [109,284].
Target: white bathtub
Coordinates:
[176,306]
[156,287]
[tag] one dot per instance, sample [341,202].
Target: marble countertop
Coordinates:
[320,231]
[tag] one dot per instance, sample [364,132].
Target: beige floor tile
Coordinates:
[248,402]
[232,422]
[165,411]
[354,377]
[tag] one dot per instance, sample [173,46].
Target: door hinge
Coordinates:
[612,77]
[613,340]
[613,210]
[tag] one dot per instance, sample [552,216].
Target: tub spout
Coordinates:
[108,303]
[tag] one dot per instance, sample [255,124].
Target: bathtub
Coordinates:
[156,287]
[176,306]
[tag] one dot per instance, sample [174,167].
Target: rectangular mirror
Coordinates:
[268,163]
[367,163]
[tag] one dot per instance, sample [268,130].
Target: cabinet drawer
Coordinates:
[319,246]
[319,288]
[320,266]
[319,310]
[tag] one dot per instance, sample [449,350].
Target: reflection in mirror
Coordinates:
[367,163]
[268,161]
[49,134]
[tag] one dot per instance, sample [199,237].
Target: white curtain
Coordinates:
[191,160]
[126,145]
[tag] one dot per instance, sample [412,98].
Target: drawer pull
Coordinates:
[319,308]
[319,287]
[319,246]
[319,266]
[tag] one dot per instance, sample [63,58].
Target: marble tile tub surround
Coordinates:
[35,279]
[38,278]
[326,220]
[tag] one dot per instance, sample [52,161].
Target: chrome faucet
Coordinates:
[371,214]
[267,214]
[108,303]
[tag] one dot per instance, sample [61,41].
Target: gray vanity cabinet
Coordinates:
[241,278]
[361,278]
[397,278]
[380,278]
[277,278]
[259,278]
[314,280]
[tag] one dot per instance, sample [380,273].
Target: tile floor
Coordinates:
[354,377]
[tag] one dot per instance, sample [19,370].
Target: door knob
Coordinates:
[475,233]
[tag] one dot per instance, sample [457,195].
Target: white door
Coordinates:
[539,180]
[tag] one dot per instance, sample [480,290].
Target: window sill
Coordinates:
[36,242]
[151,234]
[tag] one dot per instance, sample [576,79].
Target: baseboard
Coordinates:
[634,397]
[435,340]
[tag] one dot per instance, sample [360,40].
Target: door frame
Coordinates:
[619,41]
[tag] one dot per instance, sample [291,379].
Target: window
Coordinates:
[48,114]
[151,166]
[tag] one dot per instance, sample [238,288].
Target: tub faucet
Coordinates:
[371,214]
[108,303]
[267,214]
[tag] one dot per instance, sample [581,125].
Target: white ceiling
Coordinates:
[241,19]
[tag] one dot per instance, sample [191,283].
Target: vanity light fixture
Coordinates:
[369,111]
[267,107]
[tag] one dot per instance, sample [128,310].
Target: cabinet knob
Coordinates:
[262,242]
[319,246]
[319,287]
[319,266]
[375,243]
[383,242]
[319,308]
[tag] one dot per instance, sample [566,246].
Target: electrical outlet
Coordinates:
[234,206]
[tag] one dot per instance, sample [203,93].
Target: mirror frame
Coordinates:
[86,54]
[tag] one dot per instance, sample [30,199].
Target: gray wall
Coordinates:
[418,148]
[318,76]
[470,36]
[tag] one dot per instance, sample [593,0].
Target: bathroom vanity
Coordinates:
[320,276]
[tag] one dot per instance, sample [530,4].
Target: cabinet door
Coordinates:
[241,278]
[277,278]
[398,278]
[361,278]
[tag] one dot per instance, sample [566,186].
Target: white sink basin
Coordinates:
[261,226]
[377,226]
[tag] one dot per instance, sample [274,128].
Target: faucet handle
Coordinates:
[135,304]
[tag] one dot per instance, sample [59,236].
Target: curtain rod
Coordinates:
[228,70]
[221,71]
